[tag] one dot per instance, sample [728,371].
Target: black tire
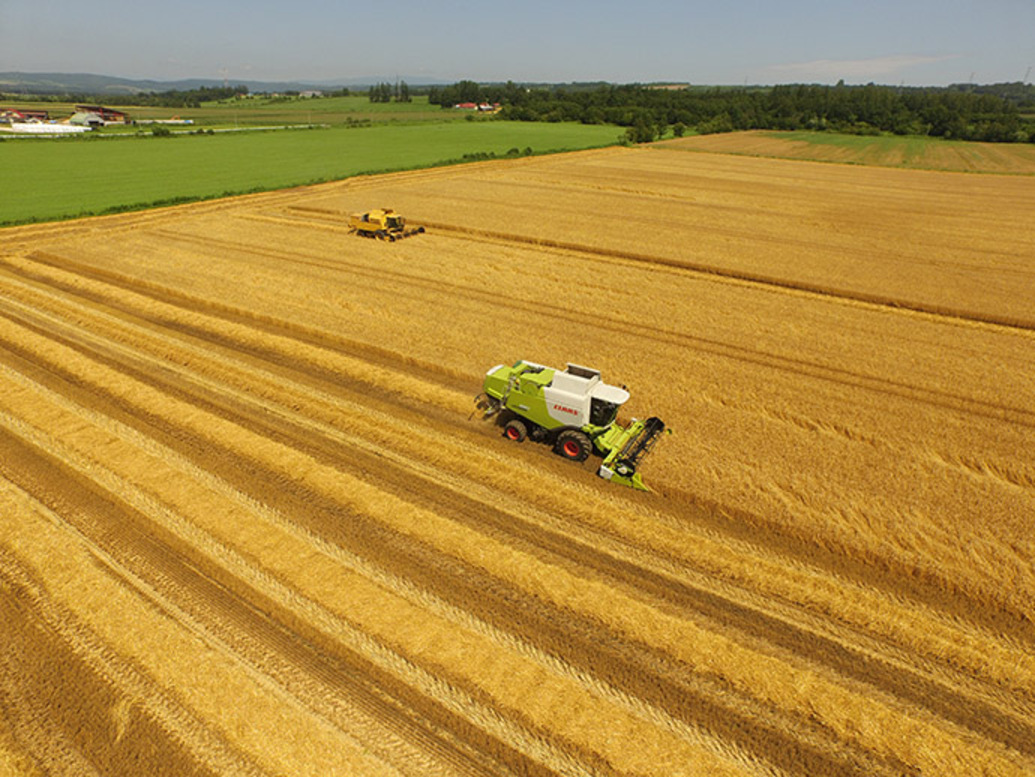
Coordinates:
[573,445]
[515,430]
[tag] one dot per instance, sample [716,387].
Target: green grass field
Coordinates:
[265,111]
[287,110]
[50,179]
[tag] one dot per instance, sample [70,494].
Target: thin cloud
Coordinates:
[829,69]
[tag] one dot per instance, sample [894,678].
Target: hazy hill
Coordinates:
[89,83]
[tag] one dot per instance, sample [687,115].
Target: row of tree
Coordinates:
[187,98]
[951,112]
[386,93]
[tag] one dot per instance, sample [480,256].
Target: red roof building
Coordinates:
[106,114]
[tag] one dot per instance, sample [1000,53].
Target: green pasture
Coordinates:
[266,111]
[51,179]
[300,110]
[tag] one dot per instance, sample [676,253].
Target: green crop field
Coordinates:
[49,179]
[262,110]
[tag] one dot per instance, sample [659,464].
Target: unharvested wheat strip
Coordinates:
[151,472]
[325,578]
[890,731]
[981,655]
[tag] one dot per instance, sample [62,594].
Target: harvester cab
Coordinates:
[382,224]
[574,411]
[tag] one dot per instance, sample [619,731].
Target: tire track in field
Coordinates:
[72,687]
[775,735]
[1021,416]
[308,335]
[599,768]
[720,609]
[258,629]
[939,592]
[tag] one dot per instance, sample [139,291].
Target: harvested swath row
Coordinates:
[313,749]
[75,699]
[750,356]
[338,516]
[311,336]
[416,418]
[243,618]
[678,584]
[334,377]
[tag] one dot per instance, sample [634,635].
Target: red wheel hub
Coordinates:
[572,448]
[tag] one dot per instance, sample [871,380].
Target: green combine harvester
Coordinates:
[573,410]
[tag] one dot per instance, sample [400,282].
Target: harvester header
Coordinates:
[574,411]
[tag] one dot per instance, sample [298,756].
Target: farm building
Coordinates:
[12,115]
[483,107]
[86,119]
[106,115]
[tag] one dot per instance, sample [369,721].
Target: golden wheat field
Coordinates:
[916,153]
[250,526]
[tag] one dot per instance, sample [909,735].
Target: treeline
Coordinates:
[385,93]
[967,114]
[189,98]
[1019,93]
[173,98]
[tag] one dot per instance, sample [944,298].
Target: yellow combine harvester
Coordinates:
[381,224]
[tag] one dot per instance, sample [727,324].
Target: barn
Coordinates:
[106,115]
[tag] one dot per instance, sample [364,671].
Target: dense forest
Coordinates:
[966,112]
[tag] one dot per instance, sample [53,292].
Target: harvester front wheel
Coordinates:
[573,445]
[515,430]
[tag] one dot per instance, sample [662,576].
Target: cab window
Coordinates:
[602,413]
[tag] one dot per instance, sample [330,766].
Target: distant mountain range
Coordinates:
[89,83]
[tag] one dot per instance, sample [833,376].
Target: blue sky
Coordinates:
[916,42]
